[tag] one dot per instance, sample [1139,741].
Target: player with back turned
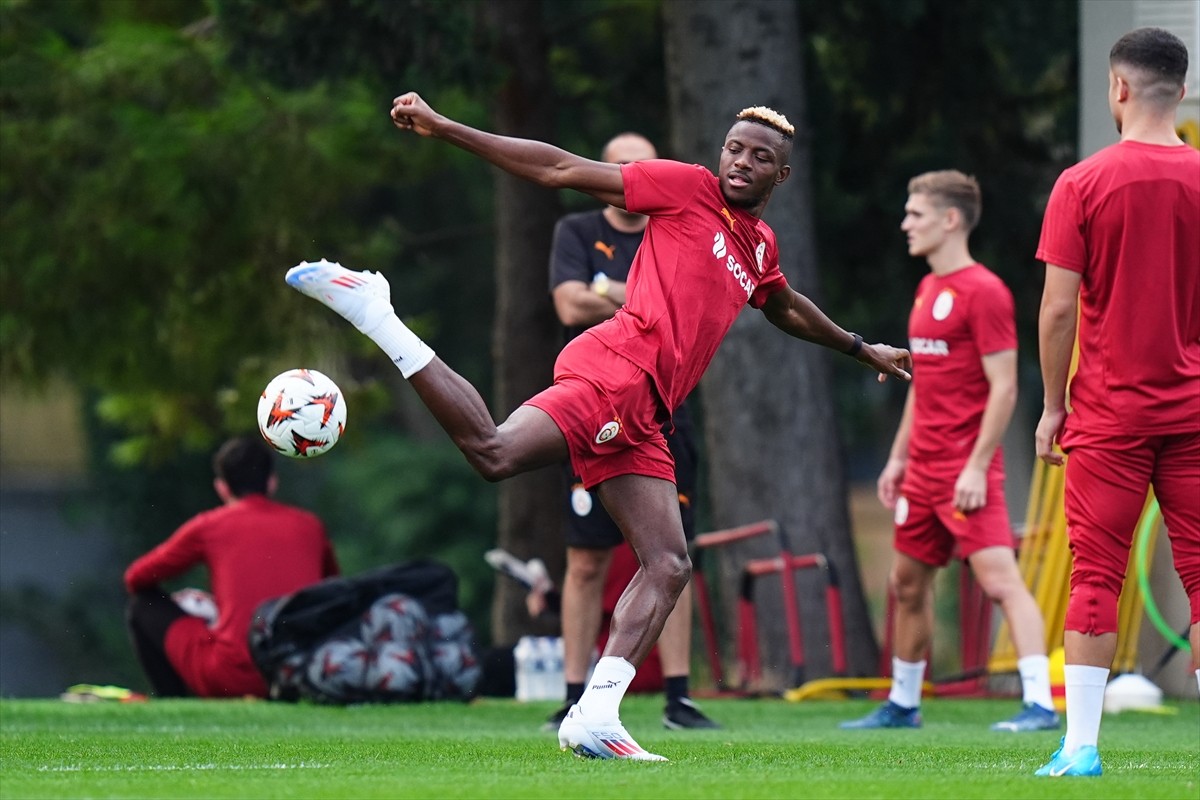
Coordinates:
[1121,243]
[706,254]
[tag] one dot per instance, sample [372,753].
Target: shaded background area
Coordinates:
[162,162]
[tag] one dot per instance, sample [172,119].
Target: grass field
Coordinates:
[494,749]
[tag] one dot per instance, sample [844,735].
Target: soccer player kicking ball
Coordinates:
[706,254]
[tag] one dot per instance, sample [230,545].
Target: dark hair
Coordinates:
[1159,55]
[245,464]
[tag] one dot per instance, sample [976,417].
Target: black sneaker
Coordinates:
[682,713]
[554,721]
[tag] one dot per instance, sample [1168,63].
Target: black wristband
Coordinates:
[854,348]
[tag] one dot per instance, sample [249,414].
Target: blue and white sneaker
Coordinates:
[362,298]
[888,715]
[1085,762]
[1031,717]
[590,740]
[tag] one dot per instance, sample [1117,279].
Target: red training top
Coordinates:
[701,261]
[1128,219]
[254,549]
[956,319]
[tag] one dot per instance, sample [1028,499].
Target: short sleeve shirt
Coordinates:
[586,245]
[1128,220]
[956,320]
[701,262]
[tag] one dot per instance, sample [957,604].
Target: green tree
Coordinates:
[770,425]
[898,87]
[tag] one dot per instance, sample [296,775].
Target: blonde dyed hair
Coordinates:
[769,117]
[949,188]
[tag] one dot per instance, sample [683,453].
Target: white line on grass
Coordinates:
[177,767]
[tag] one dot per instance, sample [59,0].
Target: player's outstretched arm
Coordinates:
[538,162]
[796,315]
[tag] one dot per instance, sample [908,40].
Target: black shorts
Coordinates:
[588,525]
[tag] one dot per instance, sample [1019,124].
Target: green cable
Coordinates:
[1149,522]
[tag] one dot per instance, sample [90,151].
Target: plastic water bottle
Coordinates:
[555,679]
[525,657]
[539,668]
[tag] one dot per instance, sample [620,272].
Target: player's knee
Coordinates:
[488,458]
[673,571]
[1092,606]
[1002,589]
[586,570]
[907,590]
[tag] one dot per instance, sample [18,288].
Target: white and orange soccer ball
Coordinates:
[301,413]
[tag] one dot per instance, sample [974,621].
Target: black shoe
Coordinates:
[553,722]
[682,713]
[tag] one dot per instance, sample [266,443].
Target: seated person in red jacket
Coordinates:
[253,548]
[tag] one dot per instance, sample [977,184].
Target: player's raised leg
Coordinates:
[526,440]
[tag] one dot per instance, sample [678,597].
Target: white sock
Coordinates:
[403,347]
[907,677]
[601,701]
[1035,681]
[1085,705]
[1198,679]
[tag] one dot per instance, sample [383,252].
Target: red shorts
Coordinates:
[1106,488]
[929,528]
[209,666]
[608,410]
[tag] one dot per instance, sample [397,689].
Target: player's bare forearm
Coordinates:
[796,315]
[529,159]
[578,306]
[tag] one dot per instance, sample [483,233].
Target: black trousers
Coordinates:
[148,615]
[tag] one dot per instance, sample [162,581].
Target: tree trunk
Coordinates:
[771,440]
[525,335]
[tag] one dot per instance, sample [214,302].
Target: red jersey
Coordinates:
[254,549]
[701,261]
[956,319]
[1128,220]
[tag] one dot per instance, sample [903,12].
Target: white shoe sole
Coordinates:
[362,298]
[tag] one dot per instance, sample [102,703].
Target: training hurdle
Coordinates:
[785,564]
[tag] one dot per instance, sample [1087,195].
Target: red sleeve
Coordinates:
[993,322]
[659,186]
[1062,242]
[178,554]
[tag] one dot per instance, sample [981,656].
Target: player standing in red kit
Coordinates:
[705,255]
[1121,243]
[945,475]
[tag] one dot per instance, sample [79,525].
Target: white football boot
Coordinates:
[362,298]
[588,740]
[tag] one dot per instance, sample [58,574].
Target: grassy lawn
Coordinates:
[494,749]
